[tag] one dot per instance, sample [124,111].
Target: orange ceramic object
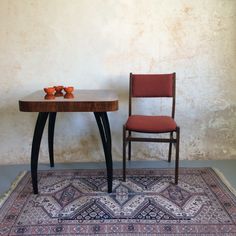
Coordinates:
[58,88]
[58,91]
[49,90]
[69,89]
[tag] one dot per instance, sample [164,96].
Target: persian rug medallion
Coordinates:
[76,202]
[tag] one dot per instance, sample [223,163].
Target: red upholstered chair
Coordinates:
[155,86]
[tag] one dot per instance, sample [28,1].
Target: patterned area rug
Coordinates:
[75,202]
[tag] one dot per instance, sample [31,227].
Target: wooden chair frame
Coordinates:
[127,139]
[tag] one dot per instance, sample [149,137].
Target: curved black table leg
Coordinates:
[104,129]
[51,126]
[38,132]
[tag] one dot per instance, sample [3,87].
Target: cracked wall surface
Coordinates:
[95,44]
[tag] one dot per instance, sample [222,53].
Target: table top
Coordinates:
[83,101]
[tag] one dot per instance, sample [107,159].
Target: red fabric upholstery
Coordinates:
[150,124]
[151,85]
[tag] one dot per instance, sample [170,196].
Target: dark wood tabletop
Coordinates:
[83,101]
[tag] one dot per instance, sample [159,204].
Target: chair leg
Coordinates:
[177,155]
[170,147]
[124,153]
[129,148]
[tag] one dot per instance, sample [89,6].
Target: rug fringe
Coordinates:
[225,181]
[4,196]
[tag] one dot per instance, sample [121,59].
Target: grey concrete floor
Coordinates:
[228,167]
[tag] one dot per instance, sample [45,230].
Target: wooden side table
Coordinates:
[97,101]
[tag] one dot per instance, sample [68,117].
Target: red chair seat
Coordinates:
[151,124]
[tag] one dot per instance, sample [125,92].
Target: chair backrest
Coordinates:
[152,85]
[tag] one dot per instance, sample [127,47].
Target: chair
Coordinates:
[155,86]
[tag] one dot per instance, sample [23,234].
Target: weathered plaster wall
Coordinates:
[95,44]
